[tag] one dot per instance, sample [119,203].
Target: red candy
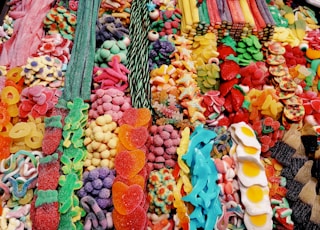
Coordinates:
[133,138]
[229,70]
[137,220]
[136,117]
[126,198]
[51,140]
[48,176]
[129,163]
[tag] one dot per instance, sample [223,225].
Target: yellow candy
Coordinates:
[13,110]
[19,130]
[10,95]
[34,139]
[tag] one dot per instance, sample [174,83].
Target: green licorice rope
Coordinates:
[79,72]
[138,54]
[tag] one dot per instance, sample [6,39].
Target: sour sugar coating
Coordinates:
[97,184]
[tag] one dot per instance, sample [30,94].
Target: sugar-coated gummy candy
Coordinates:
[107,182]
[104,193]
[136,117]
[131,137]
[126,198]
[97,184]
[88,187]
[129,163]
[133,221]
[93,175]
[103,172]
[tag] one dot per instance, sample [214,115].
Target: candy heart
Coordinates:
[133,221]
[136,117]
[129,163]
[131,137]
[126,198]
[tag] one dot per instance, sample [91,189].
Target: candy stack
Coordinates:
[252,178]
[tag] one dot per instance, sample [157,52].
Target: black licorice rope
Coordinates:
[78,77]
[138,53]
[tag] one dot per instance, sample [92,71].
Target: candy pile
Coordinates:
[162,145]
[101,143]
[159,115]
[129,188]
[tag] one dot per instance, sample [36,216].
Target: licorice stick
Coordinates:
[194,13]
[247,13]
[260,23]
[215,19]
[87,75]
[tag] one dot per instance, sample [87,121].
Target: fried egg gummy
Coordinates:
[252,178]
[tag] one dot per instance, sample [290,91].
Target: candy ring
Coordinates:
[10,95]
[213,60]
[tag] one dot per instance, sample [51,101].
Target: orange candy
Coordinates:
[126,198]
[4,116]
[132,138]
[129,163]
[136,117]
[5,143]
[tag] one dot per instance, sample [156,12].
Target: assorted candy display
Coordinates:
[159,114]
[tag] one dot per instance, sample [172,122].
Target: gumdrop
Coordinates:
[126,198]
[129,163]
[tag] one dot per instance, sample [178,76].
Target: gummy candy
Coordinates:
[129,163]
[14,74]
[51,140]
[136,117]
[126,198]
[10,95]
[136,179]
[133,221]
[133,138]
[4,116]
[5,143]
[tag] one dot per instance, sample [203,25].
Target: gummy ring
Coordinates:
[14,74]
[19,130]
[13,110]
[10,95]
[34,140]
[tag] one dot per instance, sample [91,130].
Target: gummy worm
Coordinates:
[89,203]
[5,188]
[23,211]
[24,189]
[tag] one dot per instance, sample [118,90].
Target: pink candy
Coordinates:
[38,101]
[162,144]
[113,77]
[109,101]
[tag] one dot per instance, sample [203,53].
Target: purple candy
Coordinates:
[82,192]
[97,184]
[85,176]
[93,175]
[103,172]
[95,192]
[103,203]
[104,193]
[107,182]
[113,172]
[88,187]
